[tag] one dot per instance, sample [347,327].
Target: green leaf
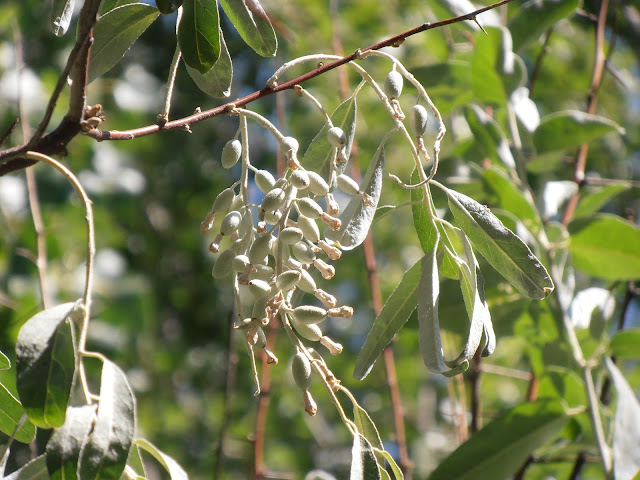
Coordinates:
[425,230]
[363,460]
[592,202]
[489,136]
[104,455]
[109,5]
[135,462]
[570,128]
[252,24]
[318,155]
[393,316]
[45,361]
[357,217]
[428,324]
[168,6]
[562,384]
[11,413]
[61,14]
[500,448]
[626,344]
[492,59]
[534,18]
[5,363]
[626,428]
[513,198]
[115,33]
[397,473]
[64,446]
[199,34]
[449,82]
[36,469]
[217,81]
[503,249]
[175,471]
[605,246]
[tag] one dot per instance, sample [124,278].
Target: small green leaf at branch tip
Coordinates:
[394,314]
[45,363]
[114,34]
[502,248]
[199,34]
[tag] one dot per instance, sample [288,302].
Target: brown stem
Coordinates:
[56,141]
[580,462]
[475,371]
[538,66]
[592,97]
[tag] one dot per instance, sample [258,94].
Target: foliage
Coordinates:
[521,265]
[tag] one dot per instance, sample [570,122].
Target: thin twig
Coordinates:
[91,251]
[538,66]
[474,383]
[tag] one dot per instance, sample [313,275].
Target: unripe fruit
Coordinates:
[310,332]
[223,264]
[309,314]
[223,201]
[260,248]
[272,217]
[273,200]
[289,145]
[309,228]
[236,203]
[288,280]
[290,235]
[309,208]
[419,118]
[303,252]
[347,184]
[306,282]
[259,288]
[231,153]
[301,370]
[262,272]
[240,263]
[264,180]
[230,223]
[260,308]
[317,184]
[393,84]
[300,179]
[336,137]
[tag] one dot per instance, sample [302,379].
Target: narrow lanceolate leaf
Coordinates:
[168,6]
[63,448]
[115,33]
[252,24]
[357,216]
[104,455]
[592,202]
[393,316]
[175,471]
[363,460]
[36,469]
[561,130]
[199,34]
[502,248]
[425,230]
[61,16]
[500,449]
[217,81]
[489,136]
[605,246]
[11,413]
[428,323]
[134,462]
[4,362]
[319,154]
[626,429]
[45,361]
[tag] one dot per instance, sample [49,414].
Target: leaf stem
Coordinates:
[163,118]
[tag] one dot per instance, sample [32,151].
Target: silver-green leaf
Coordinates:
[176,472]
[45,361]
[502,248]
[217,81]
[105,453]
[36,469]
[363,461]
[11,413]
[61,16]
[252,24]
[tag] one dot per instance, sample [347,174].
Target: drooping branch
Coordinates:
[56,142]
